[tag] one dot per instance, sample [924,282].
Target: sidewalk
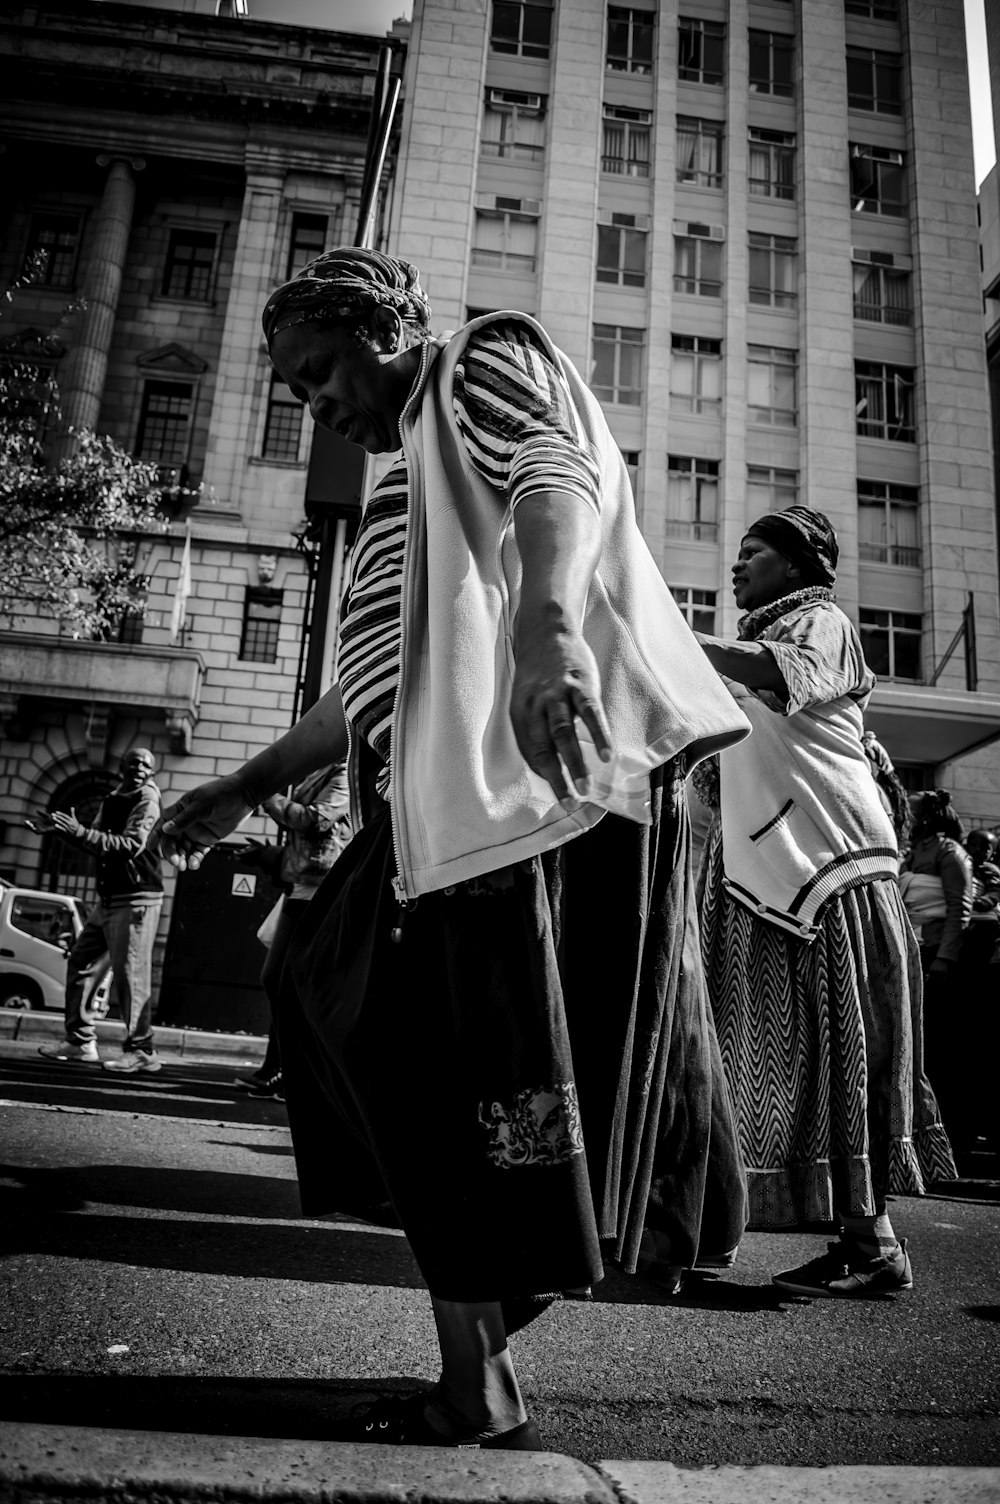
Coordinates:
[190,1044]
[70,1464]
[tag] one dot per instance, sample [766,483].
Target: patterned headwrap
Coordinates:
[804,537]
[347,284]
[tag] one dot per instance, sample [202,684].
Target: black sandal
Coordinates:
[398,1420]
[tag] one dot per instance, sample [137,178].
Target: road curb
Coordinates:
[189,1043]
[74,1463]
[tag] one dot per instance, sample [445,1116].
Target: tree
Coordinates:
[68,529]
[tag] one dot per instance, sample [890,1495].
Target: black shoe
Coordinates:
[399,1420]
[266,1086]
[247,1083]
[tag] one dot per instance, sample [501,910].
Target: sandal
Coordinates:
[399,1420]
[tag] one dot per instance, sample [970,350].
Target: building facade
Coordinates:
[752,225]
[174,168]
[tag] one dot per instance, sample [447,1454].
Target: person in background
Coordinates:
[891,791]
[521,1047]
[123,923]
[813,972]
[317,823]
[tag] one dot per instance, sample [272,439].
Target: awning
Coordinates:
[927,724]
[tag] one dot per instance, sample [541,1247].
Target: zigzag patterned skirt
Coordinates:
[823,1049]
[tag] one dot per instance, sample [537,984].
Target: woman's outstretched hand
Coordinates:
[198,820]
[556,681]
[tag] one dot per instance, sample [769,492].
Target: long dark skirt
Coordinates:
[530,1069]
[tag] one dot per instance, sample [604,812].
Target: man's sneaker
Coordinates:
[131,1062]
[845,1270]
[267,1086]
[85,1054]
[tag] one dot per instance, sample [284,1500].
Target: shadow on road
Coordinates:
[215,1193]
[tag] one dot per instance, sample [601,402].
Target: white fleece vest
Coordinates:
[463,800]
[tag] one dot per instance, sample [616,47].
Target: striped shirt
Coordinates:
[517,419]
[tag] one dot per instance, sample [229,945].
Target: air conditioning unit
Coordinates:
[501,99]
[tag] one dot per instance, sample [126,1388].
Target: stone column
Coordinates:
[82,377]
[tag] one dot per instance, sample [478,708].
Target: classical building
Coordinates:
[752,224]
[174,167]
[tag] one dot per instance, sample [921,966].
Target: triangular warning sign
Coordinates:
[243,886]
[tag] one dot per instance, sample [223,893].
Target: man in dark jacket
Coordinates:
[122,925]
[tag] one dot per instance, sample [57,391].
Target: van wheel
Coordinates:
[20,995]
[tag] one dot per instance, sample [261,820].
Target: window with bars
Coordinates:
[770,489]
[697,606]
[282,423]
[701,51]
[772,163]
[513,126]
[873,10]
[884,403]
[697,264]
[618,352]
[695,374]
[64,868]
[892,642]
[307,238]
[889,523]
[31,393]
[165,422]
[130,626]
[774,261]
[771,63]
[190,262]
[874,81]
[521,28]
[505,239]
[882,293]
[878,180]
[621,252]
[699,151]
[631,458]
[261,624]
[625,145]
[692,498]
[630,40]
[772,386]
[52,249]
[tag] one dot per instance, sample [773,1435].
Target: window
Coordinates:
[130,625]
[698,261]
[513,126]
[697,606]
[306,240]
[630,40]
[888,523]
[878,180]
[774,270]
[523,29]
[771,56]
[631,458]
[187,273]
[692,498]
[884,401]
[283,423]
[699,151]
[52,250]
[31,393]
[621,251]
[505,237]
[873,81]
[772,164]
[261,624]
[873,10]
[695,374]
[892,643]
[165,422]
[882,291]
[617,364]
[770,490]
[625,148]
[64,868]
[701,51]
[49,919]
[772,386]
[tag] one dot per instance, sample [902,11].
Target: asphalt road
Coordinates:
[156,1275]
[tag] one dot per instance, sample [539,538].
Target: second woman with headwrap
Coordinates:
[812,968]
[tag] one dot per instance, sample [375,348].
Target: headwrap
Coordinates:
[804,537]
[346,284]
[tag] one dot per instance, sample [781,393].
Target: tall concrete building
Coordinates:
[752,225]
[174,167]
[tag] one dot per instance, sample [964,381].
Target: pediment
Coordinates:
[32,344]
[173,359]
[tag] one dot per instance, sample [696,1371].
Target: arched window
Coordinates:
[64,868]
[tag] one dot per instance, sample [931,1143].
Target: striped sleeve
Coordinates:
[518,420]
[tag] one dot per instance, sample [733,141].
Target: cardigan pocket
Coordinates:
[792,845]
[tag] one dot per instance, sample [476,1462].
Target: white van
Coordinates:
[36,932]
